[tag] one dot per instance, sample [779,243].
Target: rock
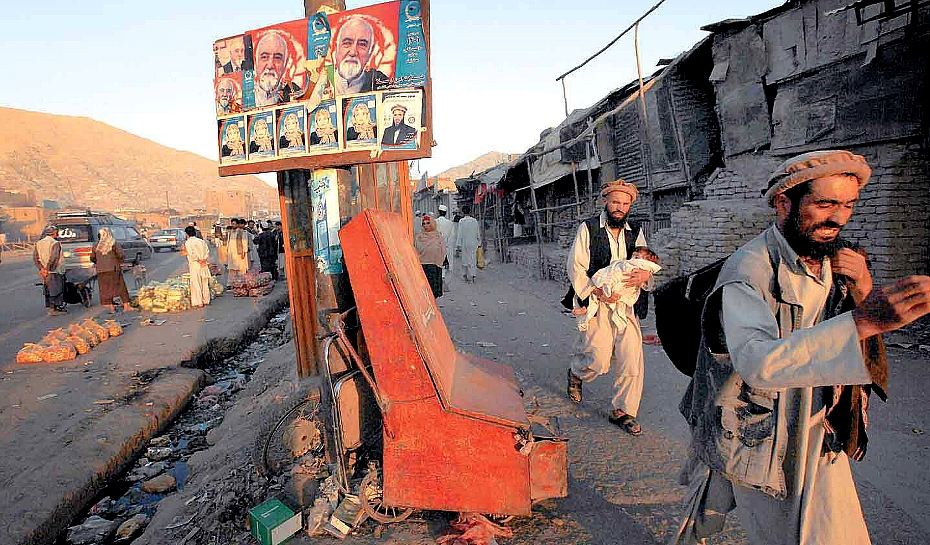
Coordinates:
[147,472]
[558,522]
[214,390]
[158,453]
[159,485]
[102,507]
[163,441]
[94,530]
[131,528]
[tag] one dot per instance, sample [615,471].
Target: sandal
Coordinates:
[574,387]
[625,421]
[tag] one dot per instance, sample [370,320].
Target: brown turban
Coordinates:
[620,185]
[813,165]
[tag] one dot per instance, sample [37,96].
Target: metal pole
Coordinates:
[536,222]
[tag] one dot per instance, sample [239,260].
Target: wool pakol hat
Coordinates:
[398,107]
[620,185]
[443,208]
[814,165]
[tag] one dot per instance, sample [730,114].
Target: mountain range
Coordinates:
[81,162]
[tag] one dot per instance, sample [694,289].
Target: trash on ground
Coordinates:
[272,522]
[484,344]
[46,396]
[474,529]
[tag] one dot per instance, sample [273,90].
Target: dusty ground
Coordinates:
[622,489]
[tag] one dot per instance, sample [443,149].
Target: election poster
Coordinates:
[324,128]
[324,195]
[228,91]
[401,119]
[261,136]
[231,137]
[292,134]
[279,55]
[360,118]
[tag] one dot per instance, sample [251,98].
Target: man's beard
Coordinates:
[224,103]
[615,222]
[350,68]
[802,241]
[269,81]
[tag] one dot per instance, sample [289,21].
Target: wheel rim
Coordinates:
[371,494]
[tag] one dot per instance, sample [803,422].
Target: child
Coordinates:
[138,272]
[611,280]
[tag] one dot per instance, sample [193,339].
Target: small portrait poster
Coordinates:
[401,119]
[292,134]
[324,128]
[228,92]
[324,195]
[360,115]
[229,55]
[231,137]
[261,136]
[279,55]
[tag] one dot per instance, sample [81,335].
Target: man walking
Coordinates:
[48,260]
[279,237]
[599,241]
[267,245]
[198,255]
[778,401]
[467,240]
[446,228]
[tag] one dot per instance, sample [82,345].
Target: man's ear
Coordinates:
[782,206]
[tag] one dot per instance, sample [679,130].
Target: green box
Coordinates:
[273,522]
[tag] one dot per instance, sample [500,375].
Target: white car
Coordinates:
[172,239]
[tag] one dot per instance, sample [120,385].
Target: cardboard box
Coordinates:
[273,522]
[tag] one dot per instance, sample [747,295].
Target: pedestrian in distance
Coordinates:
[279,235]
[446,228]
[599,241]
[267,247]
[237,251]
[790,350]
[467,240]
[431,248]
[51,266]
[198,264]
[107,255]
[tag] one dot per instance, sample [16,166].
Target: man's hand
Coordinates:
[852,265]
[602,297]
[893,306]
[638,278]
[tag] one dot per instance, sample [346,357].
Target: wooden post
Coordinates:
[538,228]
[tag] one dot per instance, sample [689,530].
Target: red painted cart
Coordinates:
[455,434]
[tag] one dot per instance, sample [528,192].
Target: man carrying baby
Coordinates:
[600,241]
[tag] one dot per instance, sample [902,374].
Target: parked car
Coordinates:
[79,231]
[172,239]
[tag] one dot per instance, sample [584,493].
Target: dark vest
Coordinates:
[599,257]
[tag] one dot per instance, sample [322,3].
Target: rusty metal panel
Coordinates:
[549,469]
[464,383]
[450,418]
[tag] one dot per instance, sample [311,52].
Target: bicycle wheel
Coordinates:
[293,435]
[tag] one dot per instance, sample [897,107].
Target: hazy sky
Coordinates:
[494,63]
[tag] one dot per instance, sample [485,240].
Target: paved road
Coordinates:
[22,308]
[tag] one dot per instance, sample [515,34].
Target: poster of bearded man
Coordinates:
[363,50]
[261,136]
[228,91]
[279,58]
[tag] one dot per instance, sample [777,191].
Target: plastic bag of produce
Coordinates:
[97,329]
[63,351]
[113,328]
[80,344]
[29,353]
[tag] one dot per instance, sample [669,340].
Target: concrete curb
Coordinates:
[116,439]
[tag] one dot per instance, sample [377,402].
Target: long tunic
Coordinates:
[447,228]
[237,251]
[467,238]
[110,274]
[197,251]
[822,505]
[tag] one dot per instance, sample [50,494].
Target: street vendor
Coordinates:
[51,266]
